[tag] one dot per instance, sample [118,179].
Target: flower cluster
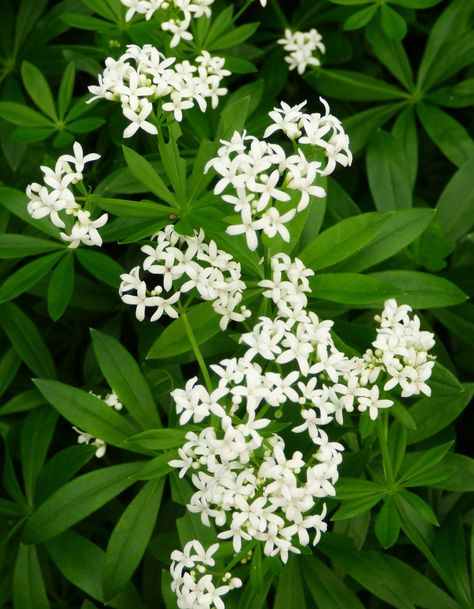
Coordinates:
[55,196]
[111,400]
[193,580]
[244,481]
[177,15]
[301,47]
[143,75]
[184,264]
[266,186]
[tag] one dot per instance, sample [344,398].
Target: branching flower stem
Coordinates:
[382,431]
[196,350]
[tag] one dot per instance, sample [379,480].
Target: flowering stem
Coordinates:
[196,350]
[382,432]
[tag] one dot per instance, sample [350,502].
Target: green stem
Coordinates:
[382,432]
[242,11]
[196,350]
[279,13]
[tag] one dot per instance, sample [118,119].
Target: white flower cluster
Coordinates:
[402,349]
[111,400]
[55,195]
[242,477]
[193,580]
[184,264]
[301,47]
[266,186]
[177,14]
[143,75]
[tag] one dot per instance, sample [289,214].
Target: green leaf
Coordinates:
[387,172]
[133,209]
[360,18]
[38,89]
[397,445]
[461,479]
[387,577]
[458,95]
[362,125]
[27,276]
[9,365]
[22,402]
[157,467]
[392,23]
[400,229]
[28,14]
[233,118]
[101,266]
[355,488]
[60,287]
[354,507]
[174,339]
[125,378]
[406,132]
[352,288]
[454,20]
[421,507]
[158,439]
[86,22]
[87,412]
[23,116]
[32,134]
[387,524]
[326,588]
[456,204]
[16,203]
[422,290]
[66,89]
[234,37]
[174,165]
[352,86]
[143,171]
[86,125]
[416,3]
[19,246]
[289,591]
[82,563]
[28,586]
[256,574]
[459,320]
[391,53]
[36,435]
[130,537]
[26,340]
[77,499]
[419,472]
[450,136]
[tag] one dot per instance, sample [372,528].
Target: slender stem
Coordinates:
[242,10]
[279,13]
[196,350]
[382,432]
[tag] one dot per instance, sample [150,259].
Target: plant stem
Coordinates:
[196,350]
[242,10]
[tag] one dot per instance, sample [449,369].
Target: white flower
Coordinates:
[301,47]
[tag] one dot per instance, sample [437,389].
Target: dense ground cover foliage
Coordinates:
[236,338]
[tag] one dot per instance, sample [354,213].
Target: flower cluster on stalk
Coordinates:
[301,47]
[55,198]
[182,265]
[193,579]
[176,15]
[143,75]
[244,480]
[268,186]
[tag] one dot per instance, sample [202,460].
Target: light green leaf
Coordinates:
[16,202]
[352,86]
[101,266]
[27,276]
[360,18]
[158,439]
[456,204]
[23,116]
[422,290]
[19,246]
[392,23]
[38,89]
[146,175]
[461,480]
[125,378]
[289,591]
[355,488]
[352,288]
[78,499]
[387,524]
[130,538]
[133,209]
[26,340]
[354,507]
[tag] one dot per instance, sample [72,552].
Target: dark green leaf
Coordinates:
[77,499]
[391,53]
[87,412]
[289,591]
[130,538]
[9,365]
[420,472]
[352,86]
[146,175]
[133,209]
[124,376]
[387,524]
[362,125]
[60,287]
[26,340]
[16,203]
[28,586]
[387,172]
[38,89]
[355,488]
[360,18]
[461,478]
[23,116]
[354,507]
[66,89]
[419,505]
[326,588]
[18,246]
[158,439]
[450,136]
[392,23]
[101,266]
[406,132]
[456,203]
[458,95]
